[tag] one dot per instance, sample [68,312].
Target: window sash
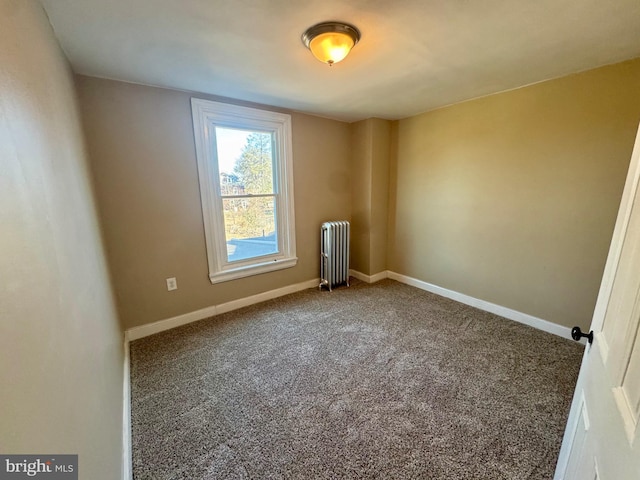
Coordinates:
[254,258]
[260,195]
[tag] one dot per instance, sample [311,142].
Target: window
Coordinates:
[246,188]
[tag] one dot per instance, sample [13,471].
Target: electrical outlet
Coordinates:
[172,284]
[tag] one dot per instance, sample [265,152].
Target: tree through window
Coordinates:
[248,195]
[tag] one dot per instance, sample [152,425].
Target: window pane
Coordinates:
[245,161]
[250,227]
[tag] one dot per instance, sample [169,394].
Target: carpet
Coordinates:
[370,381]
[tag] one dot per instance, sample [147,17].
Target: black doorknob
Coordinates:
[577,334]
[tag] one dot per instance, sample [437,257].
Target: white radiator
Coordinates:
[334,254]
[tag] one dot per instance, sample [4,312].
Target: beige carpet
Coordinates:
[372,381]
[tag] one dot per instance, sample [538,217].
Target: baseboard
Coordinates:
[514,315]
[127,470]
[262,297]
[161,325]
[369,278]
[173,322]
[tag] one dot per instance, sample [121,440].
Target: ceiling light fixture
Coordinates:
[330,42]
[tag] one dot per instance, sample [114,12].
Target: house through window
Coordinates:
[244,166]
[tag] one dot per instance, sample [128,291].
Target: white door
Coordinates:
[601,440]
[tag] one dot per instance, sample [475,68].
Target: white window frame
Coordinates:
[207,115]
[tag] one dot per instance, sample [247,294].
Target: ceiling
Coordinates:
[414,55]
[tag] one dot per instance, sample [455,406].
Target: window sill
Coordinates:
[250,270]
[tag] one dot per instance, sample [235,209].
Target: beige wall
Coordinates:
[512,198]
[62,351]
[370,154]
[142,152]
[361,151]
[380,158]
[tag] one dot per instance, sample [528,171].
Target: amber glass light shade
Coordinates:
[331,47]
[331,42]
